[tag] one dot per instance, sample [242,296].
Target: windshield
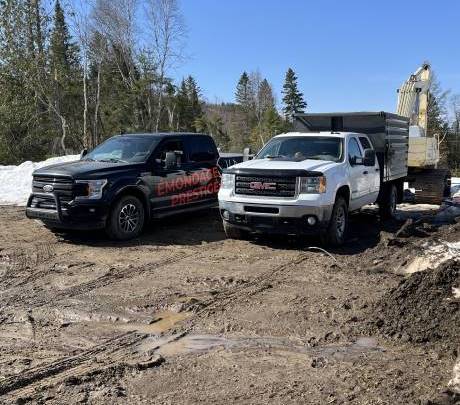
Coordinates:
[123,149]
[300,148]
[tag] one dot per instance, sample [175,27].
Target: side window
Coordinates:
[271,149]
[170,146]
[365,142]
[354,152]
[201,149]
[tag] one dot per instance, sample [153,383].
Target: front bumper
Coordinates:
[81,215]
[277,219]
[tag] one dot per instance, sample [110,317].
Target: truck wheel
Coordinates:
[126,218]
[387,206]
[232,232]
[338,225]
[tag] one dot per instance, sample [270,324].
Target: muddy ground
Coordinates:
[183,316]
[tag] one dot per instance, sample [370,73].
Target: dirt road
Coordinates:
[182,315]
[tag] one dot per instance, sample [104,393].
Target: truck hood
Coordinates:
[84,169]
[273,164]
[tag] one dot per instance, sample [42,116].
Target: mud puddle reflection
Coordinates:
[187,344]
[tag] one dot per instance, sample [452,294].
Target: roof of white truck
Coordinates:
[322,133]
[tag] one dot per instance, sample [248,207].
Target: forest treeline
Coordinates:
[81,71]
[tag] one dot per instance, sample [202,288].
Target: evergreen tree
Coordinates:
[437,124]
[243,94]
[64,52]
[265,98]
[182,107]
[293,99]
[65,75]
[194,103]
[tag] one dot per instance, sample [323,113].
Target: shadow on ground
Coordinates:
[365,232]
[190,229]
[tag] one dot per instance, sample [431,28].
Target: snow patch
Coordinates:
[454,384]
[433,256]
[16,181]
[456,292]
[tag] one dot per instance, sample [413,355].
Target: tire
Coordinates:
[336,232]
[387,207]
[232,232]
[126,219]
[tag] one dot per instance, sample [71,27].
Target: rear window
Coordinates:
[200,148]
[365,142]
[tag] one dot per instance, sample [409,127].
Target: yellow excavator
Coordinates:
[431,183]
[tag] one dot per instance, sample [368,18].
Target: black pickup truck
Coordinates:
[126,181]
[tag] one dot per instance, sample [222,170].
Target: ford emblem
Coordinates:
[48,188]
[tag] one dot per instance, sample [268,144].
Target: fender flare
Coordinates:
[137,191]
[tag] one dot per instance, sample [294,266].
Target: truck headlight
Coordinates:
[312,185]
[227,181]
[92,189]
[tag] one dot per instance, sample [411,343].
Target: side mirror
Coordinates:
[355,161]
[170,161]
[369,157]
[83,153]
[246,154]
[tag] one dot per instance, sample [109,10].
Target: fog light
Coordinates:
[225,214]
[311,221]
[92,210]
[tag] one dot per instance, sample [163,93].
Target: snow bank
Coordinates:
[454,384]
[16,181]
[455,187]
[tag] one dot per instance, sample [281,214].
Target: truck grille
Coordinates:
[64,187]
[269,186]
[61,185]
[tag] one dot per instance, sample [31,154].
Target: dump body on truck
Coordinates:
[388,132]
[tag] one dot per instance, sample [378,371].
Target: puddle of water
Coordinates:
[162,322]
[178,344]
[194,344]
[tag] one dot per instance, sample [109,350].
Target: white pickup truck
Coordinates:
[307,182]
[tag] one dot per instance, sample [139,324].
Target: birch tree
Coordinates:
[166,35]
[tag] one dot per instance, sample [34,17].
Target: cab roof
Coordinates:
[328,134]
[162,134]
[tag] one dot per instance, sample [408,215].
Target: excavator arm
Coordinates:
[430,183]
[413,97]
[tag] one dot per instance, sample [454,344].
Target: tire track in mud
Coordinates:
[119,350]
[258,284]
[115,274]
[93,360]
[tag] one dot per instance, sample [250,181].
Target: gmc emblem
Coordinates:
[258,185]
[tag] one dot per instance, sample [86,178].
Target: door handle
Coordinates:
[365,172]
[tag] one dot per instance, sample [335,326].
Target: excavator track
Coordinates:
[431,186]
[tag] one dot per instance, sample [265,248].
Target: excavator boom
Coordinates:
[413,97]
[430,183]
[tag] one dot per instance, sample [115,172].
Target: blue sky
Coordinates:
[348,54]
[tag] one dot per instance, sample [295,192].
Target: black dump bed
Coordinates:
[388,132]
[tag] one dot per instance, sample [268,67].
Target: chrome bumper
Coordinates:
[322,213]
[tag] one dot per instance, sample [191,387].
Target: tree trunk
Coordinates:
[64,132]
[159,107]
[86,140]
[171,117]
[96,108]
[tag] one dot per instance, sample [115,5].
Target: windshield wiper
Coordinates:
[113,160]
[273,156]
